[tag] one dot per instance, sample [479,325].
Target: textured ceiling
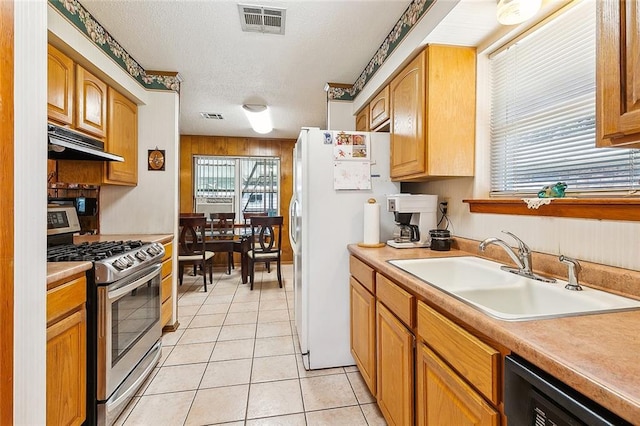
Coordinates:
[223,67]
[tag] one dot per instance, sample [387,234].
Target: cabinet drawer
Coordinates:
[167,267]
[168,251]
[363,273]
[471,358]
[396,299]
[165,291]
[66,298]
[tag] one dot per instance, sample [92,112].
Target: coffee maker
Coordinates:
[415,215]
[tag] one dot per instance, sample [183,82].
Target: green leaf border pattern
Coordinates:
[79,17]
[413,13]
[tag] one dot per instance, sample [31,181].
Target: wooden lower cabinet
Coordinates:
[166,288]
[395,361]
[66,352]
[363,332]
[443,398]
[452,377]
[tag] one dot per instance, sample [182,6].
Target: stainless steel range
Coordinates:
[123,312]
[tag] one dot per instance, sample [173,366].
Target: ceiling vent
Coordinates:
[262,19]
[211,116]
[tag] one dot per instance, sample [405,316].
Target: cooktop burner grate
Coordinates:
[91,252]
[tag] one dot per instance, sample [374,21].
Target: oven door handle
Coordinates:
[121,291]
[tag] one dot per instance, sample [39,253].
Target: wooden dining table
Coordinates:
[240,243]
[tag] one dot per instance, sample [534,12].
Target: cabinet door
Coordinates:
[443,398]
[363,332]
[122,139]
[60,86]
[362,120]
[407,99]
[91,103]
[395,368]
[66,370]
[618,74]
[379,108]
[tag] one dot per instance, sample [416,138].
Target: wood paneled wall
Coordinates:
[219,145]
[6,212]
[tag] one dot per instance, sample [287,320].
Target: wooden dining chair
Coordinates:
[247,224]
[222,233]
[192,248]
[266,243]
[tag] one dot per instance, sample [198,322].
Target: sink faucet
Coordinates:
[574,270]
[522,259]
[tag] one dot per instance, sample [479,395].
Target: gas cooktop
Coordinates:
[112,260]
[91,252]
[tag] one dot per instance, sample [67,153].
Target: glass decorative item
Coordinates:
[553,191]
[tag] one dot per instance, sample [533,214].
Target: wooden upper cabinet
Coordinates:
[618,74]
[362,120]
[60,86]
[432,104]
[408,144]
[91,103]
[122,139]
[379,109]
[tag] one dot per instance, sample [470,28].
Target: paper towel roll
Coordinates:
[371,222]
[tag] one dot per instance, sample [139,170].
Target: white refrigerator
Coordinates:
[323,221]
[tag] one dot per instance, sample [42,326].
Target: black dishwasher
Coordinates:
[535,398]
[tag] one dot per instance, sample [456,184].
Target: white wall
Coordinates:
[340,115]
[150,207]
[30,177]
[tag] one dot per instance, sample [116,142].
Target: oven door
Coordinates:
[128,326]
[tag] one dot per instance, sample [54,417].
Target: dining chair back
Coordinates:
[222,234]
[266,243]
[191,248]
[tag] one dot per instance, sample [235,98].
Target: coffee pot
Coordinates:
[406,233]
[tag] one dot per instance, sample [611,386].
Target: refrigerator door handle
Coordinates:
[293,210]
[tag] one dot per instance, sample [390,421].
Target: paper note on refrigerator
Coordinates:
[351,175]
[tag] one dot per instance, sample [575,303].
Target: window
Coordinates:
[543,113]
[237,184]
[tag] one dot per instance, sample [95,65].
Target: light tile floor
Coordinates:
[235,360]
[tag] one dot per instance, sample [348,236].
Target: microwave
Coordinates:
[85,206]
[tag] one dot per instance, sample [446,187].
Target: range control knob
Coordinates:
[129,260]
[141,255]
[152,251]
[119,265]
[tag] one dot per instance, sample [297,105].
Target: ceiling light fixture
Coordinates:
[259,117]
[511,12]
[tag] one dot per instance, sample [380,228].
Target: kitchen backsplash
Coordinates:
[613,243]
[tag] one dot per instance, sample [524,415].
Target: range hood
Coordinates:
[65,144]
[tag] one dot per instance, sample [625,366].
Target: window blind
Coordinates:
[543,113]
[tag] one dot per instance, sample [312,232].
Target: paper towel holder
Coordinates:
[377,245]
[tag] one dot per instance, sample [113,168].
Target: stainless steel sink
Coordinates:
[482,284]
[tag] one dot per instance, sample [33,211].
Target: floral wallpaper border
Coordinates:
[77,15]
[413,13]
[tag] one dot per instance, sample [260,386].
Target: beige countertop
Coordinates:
[152,238]
[598,355]
[57,271]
